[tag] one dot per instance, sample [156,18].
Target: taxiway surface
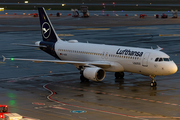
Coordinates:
[51,91]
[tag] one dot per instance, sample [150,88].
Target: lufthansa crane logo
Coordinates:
[46,30]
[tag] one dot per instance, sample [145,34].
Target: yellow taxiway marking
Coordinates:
[164,35]
[2,62]
[142,28]
[93,28]
[65,34]
[37,49]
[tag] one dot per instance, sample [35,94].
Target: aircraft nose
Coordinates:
[173,68]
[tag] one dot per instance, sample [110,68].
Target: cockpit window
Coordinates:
[156,59]
[166,59]
[160,59]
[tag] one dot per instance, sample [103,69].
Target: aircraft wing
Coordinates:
[101,64]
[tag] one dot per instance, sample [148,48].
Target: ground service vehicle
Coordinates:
[3,110]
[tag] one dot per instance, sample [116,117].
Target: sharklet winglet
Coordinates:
[3,58]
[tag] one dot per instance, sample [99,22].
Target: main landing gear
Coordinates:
[119,75]
[83,79]
[153,83]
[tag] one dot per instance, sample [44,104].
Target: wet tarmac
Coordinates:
[91,12]
[52,91]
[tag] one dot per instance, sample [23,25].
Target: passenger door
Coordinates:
[145,60]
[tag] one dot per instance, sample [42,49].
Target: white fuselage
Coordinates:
[127,59]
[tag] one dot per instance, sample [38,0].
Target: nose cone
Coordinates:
[173,68]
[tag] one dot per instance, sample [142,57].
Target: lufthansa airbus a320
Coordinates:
[93,60]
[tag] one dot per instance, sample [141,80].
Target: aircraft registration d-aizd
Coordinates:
[93,60]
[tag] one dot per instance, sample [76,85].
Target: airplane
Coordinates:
[94,60]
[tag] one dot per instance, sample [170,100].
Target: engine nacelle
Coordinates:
[94,73]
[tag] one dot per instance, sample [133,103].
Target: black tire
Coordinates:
[83,79]
[153,84]
[119,75]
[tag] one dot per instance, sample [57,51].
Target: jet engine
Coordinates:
[94,73]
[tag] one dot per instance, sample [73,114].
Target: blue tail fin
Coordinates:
[48,32]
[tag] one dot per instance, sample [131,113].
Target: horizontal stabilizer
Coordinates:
[30,45]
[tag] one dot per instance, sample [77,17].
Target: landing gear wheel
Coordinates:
[153,84]
[119,75]
[83,79]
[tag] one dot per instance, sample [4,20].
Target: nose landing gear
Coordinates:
[153,83]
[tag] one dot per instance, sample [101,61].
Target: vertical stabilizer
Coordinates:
[48,32]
